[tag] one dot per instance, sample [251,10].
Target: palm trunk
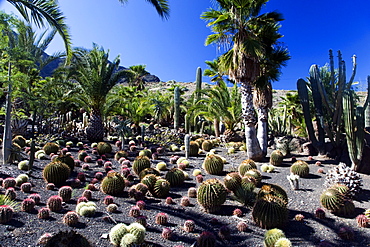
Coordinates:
[254,151]
[262,129]
[95,129]
[216,125]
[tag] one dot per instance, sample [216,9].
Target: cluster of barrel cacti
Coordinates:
[123,235]
[337,200]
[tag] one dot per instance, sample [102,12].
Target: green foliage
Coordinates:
[161,188]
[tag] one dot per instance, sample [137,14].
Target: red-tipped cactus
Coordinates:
[141,204]
[299,217]
[71,218]
[320,213]
[346,233]
[108,200]
[26,187]
[238,212]
[242,226]
[82,199]
[36,197]
[166,233]
[189,226]
[65,193]
[10,193]
[87,194]
[43,213]
[192,192]
[362,220]
[185,202]
[224,232]
[6,213]
[81,176]
[28,205]
[54,203]
[9,182]
[112,208]
[141,220]
[169,200]
[161,219]
[134,211]
[50,186]
[206,239]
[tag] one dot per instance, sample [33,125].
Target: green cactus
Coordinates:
[207,145]
[87,209]
[104,148]
[147,171]
[146,152]
[276,158]
[23,165]
[206,239]
[211,195]
[232,180]
[270,212]
[56,172]
[245,192]
[332,200]
[161,188]
[342,188]
[275,190]
[213,164]
[120,154]
[300,168]
[128,240]
[116,233]
[271,236]
[68,238]
[176,107]
[283,242]
[347,209]
[198,81]
[140,163]
[175,177]
[138,230]
[82,154]
[20,140]
[51,147]
[193,149]
[66,159]
[245,166]
[70,218]
[256,174]
[113,184]
[149,180]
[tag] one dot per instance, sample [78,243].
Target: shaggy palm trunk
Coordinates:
[254,151]
[216,125]
[95,129]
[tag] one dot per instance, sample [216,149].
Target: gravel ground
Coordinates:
[25,228]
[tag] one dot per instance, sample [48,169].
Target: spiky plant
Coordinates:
[113,184]
[300,168]
[56,172]
[175,177]
[66,159]
[140,163]
[276,158]
[275,190]
[332,200]
[211,195]
[244,193]
[51,147]
[213,164]
[147,171]
[271,236]
[161,188]
[246,165]
[270,212]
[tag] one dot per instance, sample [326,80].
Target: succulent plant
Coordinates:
[193,149]
[224,232]
[116,233]
[24,165]
[197,172]
[26,187]
[134,211]
[6,213]
[347,209]
[207,145]
[346,233]
[149,180]
[367,213]
[242,226]
[20,140]
[232,180]
[270,212]
[275,190]
[300,168]
[206,239]
[21,178]
[36,197]
[276,158]
[283,242]
[28,205]
[342,188]
[146,152]
[167,233]
[147,171]
[299,217]
[267,168]
[87,194]
[140,163]
[245,166]
[254,173]
[66,159]
[113,184]
[244,193]
[141,204]
[9,182]
[192,192]
[43,213]
[54,203]
[175,177]
[56,172]
[342,174]
[68,238]
[169,200]
[120,154]
[211,195]
[51,147]
[70,218]
[50,186]
[161,166]
[10,193]
[161,188]
[189,226]
[332,200]
[104,148]
[213,164]
[138,230]
[87,209]
[82,199]
[65,193]
[81,155]
[238,212]
[161,219]
[362,220]
[320,213]
[184,201]
[112,208]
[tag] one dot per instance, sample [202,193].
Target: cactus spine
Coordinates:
[211,195]
[176,114]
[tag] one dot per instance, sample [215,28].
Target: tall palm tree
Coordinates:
[136,78]
[214,71]
[161,7]
[96,76]
[236,26]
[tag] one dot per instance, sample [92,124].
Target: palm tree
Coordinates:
[96,76]
[214,71]
[237,25]
[161,7]
[136,78]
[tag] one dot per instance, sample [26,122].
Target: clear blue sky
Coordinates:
[173,49]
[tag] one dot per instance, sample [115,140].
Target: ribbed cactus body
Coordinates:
[206,239]
[211,195]
[246,165]
[104,148]
[276,158]
[193,149]
[56,172]
[54,203]
[149,180]
[116,233]
[254,173]
[271,236]
[161,188]
[65,193]
[66,159]
[146,152]
[70,218]
[245,192]
[213,164]
[274,190]
[300,168]
[207,145]
[51,147]
[140,163]
[6,213]
[270,212]
[332,200]
[20,140]
[347,209]
[147,171]
[113,184]
[232,180]
[175,177]
[138,230]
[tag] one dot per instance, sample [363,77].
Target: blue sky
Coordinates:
[173,49]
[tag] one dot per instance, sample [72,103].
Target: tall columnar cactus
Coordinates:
[198,82]
[187,139]
[367,105]
[354,124]
[211,195]
[176,106]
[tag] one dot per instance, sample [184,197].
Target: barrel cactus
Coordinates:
[193,148]
[140,163]
[347,209]
[161,188]
[232,180]
[213,164]
[300,168]
[332,200]
[246,165]
[147,171]
[149,180]
[146,152]
[113,184]
[275,190]
[116,233]
[175,177]
[56,172]
[211,195]
[244,193]
[120,154]
[271,236]
[207,145]
[104,148]
[66,159]
[20,140]
[6,213]
[254,173]
[270,212]
[276,158]
[51,147]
